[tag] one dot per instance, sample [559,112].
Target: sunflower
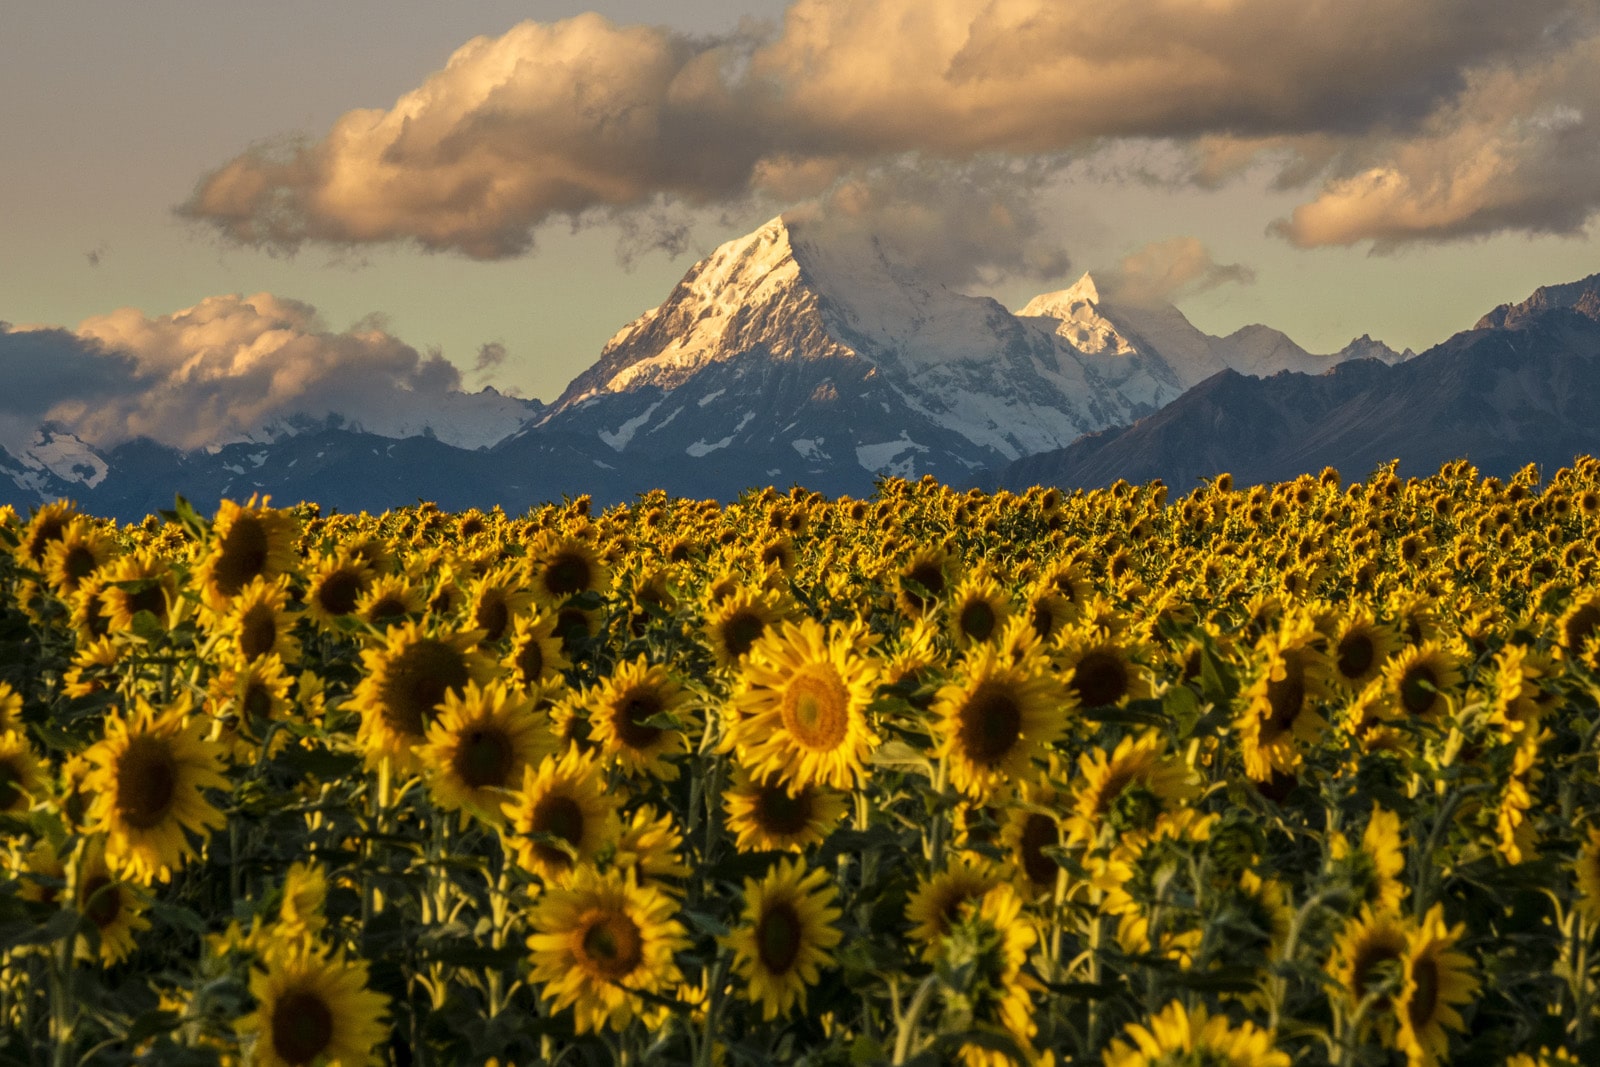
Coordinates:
[1418,681]
[1177,1035]
[10,708]
[600,942]
[1522,693]
[802,705]
[256,622]
[993,939]
[561,817]
[935,905]
[20,777]
[43,529]
[138,581]
[305,895]
[1280,712]
[246,543]
[115,907]
[1030,826]
[1360,647]
[979,609]
[338,581]
[406,682]
[1127,792]
[737,621]
[1097,669]
[148,773]
[251,693]
[997,721]
[496,600]
[620,712]
[82,549]
[784,938]
[39,871]
[1366,960]
[923,579]
[536,657]
[766,814]
[1586,869]
[1376,866]
[1435,979]
[648,850]
[388,601]
[1579,623]
[313,1006]
[480,746]
[563,567]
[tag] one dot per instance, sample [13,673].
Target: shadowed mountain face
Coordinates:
[1521,387]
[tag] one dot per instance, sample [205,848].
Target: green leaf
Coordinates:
[150,1024]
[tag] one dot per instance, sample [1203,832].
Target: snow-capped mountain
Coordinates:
[460,419]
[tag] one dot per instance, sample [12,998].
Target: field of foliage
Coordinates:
[1304,772]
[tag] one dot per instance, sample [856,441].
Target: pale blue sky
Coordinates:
[114,111]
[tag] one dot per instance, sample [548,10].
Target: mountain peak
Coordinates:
[1582,296]
[1064,303]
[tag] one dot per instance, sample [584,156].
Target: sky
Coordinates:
[215,202]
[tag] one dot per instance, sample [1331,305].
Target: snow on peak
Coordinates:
[1064,303]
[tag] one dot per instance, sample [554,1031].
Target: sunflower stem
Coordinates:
[905,1039]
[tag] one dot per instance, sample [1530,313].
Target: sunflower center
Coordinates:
[77,565]
[633,712]
[153,600]
[779,935]
[242,555]
[930,576]
[977,620]
[416,684]
[101,901]
[559,816]
[991,723]
[1286,697]
[10,784]
[566,573]
[302,1026]
[530,661]
[1370,957]
[613,946]
[1418,689]
[387,606]
[258,632]
[257,701]
[740,632]
[1042,618]
[492,616]
[484,757]
[816,708]
[781,812]
[1425,973]
[1100,679]
[338,592]
[1582,625]
[147,782]
[1039,832]
[1356,653]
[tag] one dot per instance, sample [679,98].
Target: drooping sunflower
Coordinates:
[935,905]
[649,850]
[598,943]
[406,682]
[561,817]
[562,567]
[148,773]
[1586,870]
[1177,1035]
[923,580]
[994,937]
[313,1006]
[1435,980]
[785,934]
[997,721]
[249,542]
[1579,623]
[480,746]
[1419,681]
[20,777]
[1376,866]
[766,814]
[620,710]
[536,657]
[1360,647]
[801,709]
[1128,791]
[115,907]
[1280,711]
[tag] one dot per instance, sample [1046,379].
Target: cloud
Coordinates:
[584,119]
[1164,272]
[490,356]
[228,368]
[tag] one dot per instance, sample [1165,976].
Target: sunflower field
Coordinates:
[1298,773]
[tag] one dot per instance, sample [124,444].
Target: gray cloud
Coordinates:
[490,357]
[587,120]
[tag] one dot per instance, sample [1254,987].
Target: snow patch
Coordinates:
[709,397]
[886,458]
[809,448]
[619,440]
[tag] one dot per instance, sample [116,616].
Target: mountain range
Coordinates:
[789,357]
